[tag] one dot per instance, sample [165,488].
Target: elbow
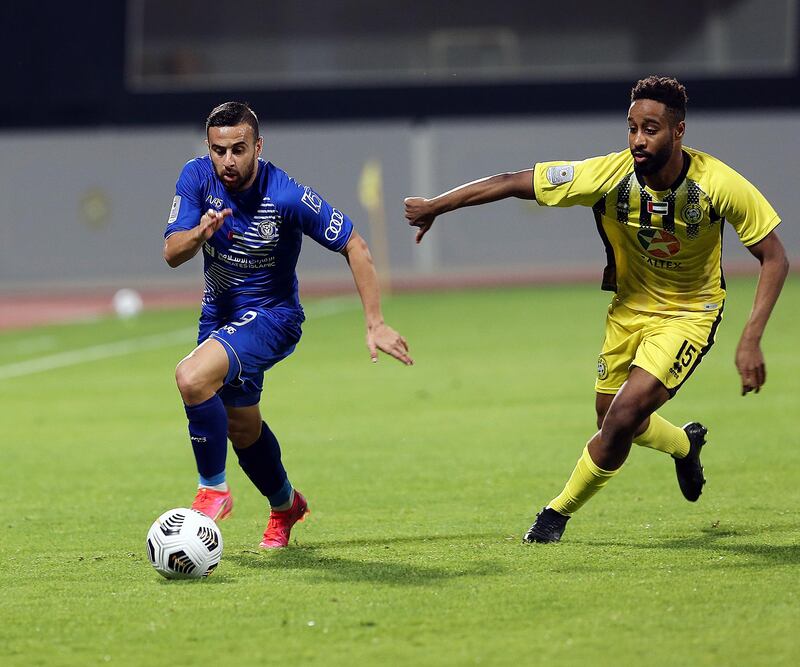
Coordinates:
[170,258]
[356,247]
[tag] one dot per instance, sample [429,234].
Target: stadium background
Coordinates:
[104,102]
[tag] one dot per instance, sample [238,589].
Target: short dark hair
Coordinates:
[229,114]
[665,89]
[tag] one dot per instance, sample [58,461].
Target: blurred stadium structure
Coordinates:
[106,102]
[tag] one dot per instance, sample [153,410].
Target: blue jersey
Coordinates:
[250,261]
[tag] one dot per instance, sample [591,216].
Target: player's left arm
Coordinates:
[380,336]
[774,267]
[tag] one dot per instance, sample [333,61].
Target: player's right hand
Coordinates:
[419,213]
[211,221]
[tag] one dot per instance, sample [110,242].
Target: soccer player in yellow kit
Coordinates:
[659,208]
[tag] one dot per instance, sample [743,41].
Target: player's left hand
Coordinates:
[751,366]
[382,337]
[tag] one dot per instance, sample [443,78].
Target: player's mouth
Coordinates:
[640,157]
[230,177]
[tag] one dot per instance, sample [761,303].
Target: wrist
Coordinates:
[438,206]
[374,323]
[750,338]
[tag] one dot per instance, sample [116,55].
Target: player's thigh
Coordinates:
[623,334]
[204,367]
[255,340]
[673,347]
[640,396]
[602,402]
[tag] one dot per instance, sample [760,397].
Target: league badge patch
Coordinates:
[176,207]
[562,173]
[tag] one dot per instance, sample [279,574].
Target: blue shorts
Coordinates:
[255,339]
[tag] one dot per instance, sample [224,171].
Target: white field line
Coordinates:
[153,342]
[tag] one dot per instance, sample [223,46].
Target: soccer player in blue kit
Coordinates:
[248,217]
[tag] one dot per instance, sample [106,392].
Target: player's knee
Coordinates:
[621,421]
[190,381]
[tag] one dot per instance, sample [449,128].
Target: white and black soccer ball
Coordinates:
[184,544]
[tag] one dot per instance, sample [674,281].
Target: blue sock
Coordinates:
[261,462]
[208,430]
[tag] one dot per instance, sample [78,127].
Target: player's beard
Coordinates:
[655,161]
[242,177]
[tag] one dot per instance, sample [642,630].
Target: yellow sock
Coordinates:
[586,480]
[665,437]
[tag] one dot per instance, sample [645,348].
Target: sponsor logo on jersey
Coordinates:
[214,202]
[334,226]
[691,214]
[176,207]
[312,200]
[658,243]
[658,207]
[602,368]
[562,173]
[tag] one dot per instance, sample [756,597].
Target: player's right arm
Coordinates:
[421,212]
[181,246]
[568,183]
[188,226]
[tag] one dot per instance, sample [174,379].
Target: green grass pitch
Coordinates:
[421,482]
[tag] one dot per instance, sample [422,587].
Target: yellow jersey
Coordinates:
[663,248]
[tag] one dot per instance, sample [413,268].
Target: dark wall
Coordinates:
[64,67]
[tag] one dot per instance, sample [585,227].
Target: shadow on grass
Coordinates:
[316,560]
[715,539]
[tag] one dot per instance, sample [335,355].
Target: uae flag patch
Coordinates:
[658,207]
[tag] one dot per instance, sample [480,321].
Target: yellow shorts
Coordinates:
[667,346]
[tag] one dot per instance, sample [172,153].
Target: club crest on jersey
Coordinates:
[658,243]
[658,207]
[692,214]
[562,173]
[602,368]
[267,230]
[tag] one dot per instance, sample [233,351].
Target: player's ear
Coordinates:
[259,146]
[680,129]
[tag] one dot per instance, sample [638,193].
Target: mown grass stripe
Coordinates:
[153,342]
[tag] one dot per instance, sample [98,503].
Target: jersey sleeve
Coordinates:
[187,205]
[324,223]
[743,206]
[580,183]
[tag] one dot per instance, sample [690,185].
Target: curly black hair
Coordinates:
[665,89]
[229,114]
